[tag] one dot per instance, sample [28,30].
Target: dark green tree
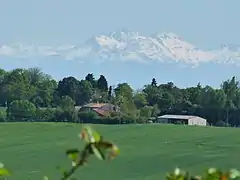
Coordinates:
[31,86]
[85,92]
[154,82]
[102,83]
[110,93]
[140,100]
[69,86]
[91,79]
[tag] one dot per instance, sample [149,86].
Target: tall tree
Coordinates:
[16,86]
[153,94]
[90,77]
[154,82]
[140,100]
[124,90]
[3,73]
[69,86]
[230,87]
[110,93]
[124,97]
[44,93]
[102,83]
[86,92]
[35,75]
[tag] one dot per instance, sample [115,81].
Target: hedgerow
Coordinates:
[105,150]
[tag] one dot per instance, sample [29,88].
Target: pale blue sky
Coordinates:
[205,23]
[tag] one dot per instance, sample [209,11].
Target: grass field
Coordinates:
[32,150]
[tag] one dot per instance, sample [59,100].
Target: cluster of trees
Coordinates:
[30,94]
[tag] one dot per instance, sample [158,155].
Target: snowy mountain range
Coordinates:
[127,56]
[129,46]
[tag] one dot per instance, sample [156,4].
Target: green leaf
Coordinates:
[72,151]
[234,174]
[108,148]
[89,135]
[45,178]
[4,172]
[73,154]
[101,149]
[97,146]
[97,152]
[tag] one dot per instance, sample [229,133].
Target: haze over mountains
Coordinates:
[162,55]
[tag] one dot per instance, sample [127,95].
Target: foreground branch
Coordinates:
[72,170]
[83,158]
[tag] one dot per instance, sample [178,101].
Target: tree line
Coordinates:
[31,95]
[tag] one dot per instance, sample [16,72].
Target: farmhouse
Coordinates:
[182,119]
[102,109]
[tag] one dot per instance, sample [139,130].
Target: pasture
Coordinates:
[32,150]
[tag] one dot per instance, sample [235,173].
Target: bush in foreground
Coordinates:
[104,150]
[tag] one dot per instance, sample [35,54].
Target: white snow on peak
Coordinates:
[169,35]
[129,45]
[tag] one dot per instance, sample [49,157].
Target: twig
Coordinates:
[72,170]
[87,151]
[83,157]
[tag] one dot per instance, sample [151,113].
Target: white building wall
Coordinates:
[197,121]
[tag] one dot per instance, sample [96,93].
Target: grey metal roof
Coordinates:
[177,117]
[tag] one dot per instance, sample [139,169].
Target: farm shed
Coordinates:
[182,119]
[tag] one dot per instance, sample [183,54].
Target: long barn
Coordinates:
[182,119]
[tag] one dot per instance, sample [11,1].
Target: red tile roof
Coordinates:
[95,105]
[101,112]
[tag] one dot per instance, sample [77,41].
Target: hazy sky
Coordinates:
[205,23]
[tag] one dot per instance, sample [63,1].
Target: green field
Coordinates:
[32,150]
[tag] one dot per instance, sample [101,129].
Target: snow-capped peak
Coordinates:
[166,35]
[130,45]
[124,34]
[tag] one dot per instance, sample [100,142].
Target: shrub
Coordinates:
[127,119]
[3,116]
[88,117]
[221,124]
[46,114]
[21,110]
[66,115]
[142,120]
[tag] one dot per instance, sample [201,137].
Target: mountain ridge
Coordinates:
[126,45]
